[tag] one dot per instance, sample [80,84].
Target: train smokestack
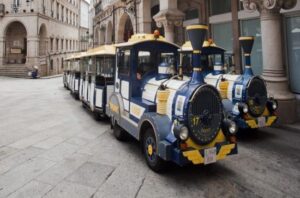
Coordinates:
[247,45]
[197,34]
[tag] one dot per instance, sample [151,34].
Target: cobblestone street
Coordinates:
[52,147]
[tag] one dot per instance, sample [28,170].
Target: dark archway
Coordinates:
[15,43]
[125,28]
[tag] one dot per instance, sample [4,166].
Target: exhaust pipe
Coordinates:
[197,34]
[247,45]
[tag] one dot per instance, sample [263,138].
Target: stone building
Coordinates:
[39,33]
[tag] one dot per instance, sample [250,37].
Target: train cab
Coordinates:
[98,66]
[174,119]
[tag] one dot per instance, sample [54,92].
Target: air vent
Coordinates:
[2,10]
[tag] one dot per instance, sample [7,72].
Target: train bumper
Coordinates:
[203,156]
[254,123]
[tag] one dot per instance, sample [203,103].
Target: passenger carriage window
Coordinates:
[123,62]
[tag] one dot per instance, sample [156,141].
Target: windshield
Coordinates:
[104,66]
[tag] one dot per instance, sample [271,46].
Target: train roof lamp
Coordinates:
[197,34]
[247,45]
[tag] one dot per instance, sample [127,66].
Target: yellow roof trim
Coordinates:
[102,50]
[140,38]
[187,46]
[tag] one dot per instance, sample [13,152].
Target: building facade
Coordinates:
[84,25]
[37,33]
[275,24]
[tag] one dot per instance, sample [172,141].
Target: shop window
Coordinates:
[222,35]
[220,7]
[252,28]
[191,14]
[293,53]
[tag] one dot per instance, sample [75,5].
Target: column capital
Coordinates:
[169,18]
[270,6]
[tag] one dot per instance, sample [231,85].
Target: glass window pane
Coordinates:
[293,41]
[222,35]
[220,7]
[252,28]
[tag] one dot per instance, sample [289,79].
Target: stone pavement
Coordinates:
[51,147]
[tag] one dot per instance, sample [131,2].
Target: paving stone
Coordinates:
[91,174]
[21,175]
[61,170]
[50,142]
[78,141]
[33,189]
[18,158]
[125,181]
[68,189]
[6,151]
[60,152]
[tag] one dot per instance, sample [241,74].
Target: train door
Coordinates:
[124,61]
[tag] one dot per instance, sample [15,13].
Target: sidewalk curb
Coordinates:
[49,77]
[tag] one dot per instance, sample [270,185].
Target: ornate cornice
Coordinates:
[166,18]
[268,5]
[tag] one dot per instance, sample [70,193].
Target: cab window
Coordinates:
[145,63]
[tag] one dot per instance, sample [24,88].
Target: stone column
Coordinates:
[32,51]
[274,71]
[2,50]
[169,17]
[144,13]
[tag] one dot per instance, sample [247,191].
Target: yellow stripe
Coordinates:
[246,38]
[192,27]
[197,69]
[252,124]
[196,51]
[194,156]
[271,120]
[224,151]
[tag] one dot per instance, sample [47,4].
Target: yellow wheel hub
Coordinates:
[150,149]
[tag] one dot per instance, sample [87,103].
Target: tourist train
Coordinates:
[245,96]
[136,85]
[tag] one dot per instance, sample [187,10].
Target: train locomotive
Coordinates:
[245,96]
[175,120]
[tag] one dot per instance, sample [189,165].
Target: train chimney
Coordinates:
[247,45]
[196,34]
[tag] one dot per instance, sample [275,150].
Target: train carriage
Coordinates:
[175,119]
[67,69]
[244,96]
[97,81]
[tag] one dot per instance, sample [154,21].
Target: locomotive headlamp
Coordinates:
[272,104]
[243,108]
[181,132]
[230,127]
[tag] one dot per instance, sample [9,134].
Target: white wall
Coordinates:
[84,14]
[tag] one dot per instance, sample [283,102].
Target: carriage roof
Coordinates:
[142,38]
[208,48]
[104,50]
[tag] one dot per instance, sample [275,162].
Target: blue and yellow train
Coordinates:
[245,96]
[178,116]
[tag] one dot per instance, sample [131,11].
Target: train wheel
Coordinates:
[119,133]
[150,151]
